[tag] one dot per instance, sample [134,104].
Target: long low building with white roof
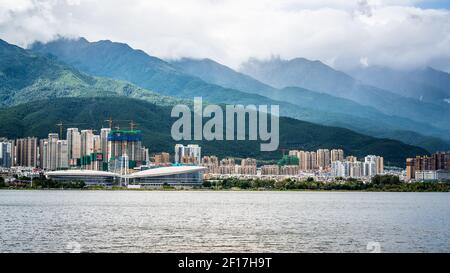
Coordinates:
[89,177]
[173,176]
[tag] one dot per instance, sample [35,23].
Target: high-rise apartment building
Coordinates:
[435,162]
[354,169]
[337,155]
[97,144]
[162,158]
[87,142]
[73,146]
[191,153]
[291,170]
[227,166]
[26,152]
[247,167]
[50,152]
[351,158]
[104,132]
[307,160]
[323,158]
[6,153]
[212,163]
[62,154]
[373,165]
[271,169]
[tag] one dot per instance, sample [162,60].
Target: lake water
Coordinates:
[193,221]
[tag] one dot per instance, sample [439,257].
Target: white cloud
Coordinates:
[339,32]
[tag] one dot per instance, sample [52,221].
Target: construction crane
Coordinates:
[110,121]
[61,126]
[132,125]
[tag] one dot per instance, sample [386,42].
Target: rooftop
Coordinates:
[167,171]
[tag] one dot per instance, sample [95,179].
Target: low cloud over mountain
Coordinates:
[343,34]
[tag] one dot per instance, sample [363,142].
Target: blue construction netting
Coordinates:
[125,136]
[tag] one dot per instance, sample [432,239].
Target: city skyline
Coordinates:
[84,150]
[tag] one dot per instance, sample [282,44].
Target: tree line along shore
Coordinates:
[381,183]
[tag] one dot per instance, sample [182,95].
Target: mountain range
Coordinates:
[39,117]
[317,76]
[427,84]
[335,111]
[64,74]
[219,84]
[26,76]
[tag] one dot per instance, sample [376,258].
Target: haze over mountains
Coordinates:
[428,84]
[315,75]
[343,112]
[119,61]
[79,68]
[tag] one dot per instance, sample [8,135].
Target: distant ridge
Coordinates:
[39,118]
[315,75]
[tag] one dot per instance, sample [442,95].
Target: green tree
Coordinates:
[288,160]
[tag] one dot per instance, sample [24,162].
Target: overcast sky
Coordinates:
[341,33]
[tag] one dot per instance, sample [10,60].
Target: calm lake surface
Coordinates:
[192,221]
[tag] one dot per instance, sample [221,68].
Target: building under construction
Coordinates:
[125,143]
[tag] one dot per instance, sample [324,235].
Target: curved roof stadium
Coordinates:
[165,171]
[175,175]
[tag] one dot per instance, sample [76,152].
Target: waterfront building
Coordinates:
[432,175]
[337,155]
[247,167]
[338,169]
[41,153]
[104,132]
[55,153]
[62,152]
[89,177]
[26,152]
[313,161]
[291,170]
[145,156]
[6,155]
[49,152]
[227,166]
[162,158]
[307,160]
[87,142]
[323,159]
[211,163]
[410,168]
[270,170]
[126,143]
[435,162]
[190,153]
[177,176]
[351,158]
[97,144]
[373,165]
[73,146]
[354,169]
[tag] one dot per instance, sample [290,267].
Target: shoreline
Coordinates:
[213,190]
